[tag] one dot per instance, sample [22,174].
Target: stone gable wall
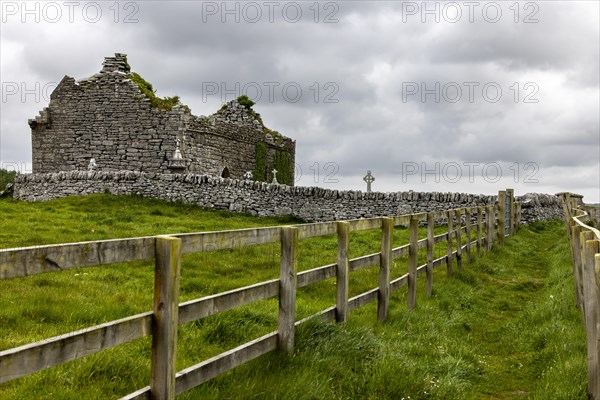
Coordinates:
[308,203]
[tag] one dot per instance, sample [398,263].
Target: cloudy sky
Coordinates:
[437,96]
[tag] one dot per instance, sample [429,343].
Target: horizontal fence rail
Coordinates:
[488,224]
[585,250]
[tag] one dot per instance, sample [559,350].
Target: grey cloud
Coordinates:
[368,54]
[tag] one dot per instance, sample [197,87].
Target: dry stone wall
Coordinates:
[308,203]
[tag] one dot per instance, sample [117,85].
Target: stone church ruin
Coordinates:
[113,122]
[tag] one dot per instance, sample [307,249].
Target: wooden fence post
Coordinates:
[510,195]
[430,245]
[413,252]
[518,217]
[383,296]
[341,308]
[590,298]
[577,263]
[449,254]
[287,289]
[166,317]
[468,244]
[515,227]
[479,230]
[501,216]
[566,202]
[458,233]
[489,217]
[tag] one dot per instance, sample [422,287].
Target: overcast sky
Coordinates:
[438,96]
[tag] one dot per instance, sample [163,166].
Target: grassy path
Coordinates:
[506,327]
[526,328]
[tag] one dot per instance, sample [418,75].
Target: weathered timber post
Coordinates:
[518,218]
[468,244]
[489,217]
[287,289]
[501,216]
[566,204]
[577,262]
[574,202]
[449,255]
[430,245]
[510,211]
[458,233]
[479,230]
[413,252]
[590,248]
[166,317]
[341,307]
[383,296]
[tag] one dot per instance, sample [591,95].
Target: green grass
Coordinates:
[505,327]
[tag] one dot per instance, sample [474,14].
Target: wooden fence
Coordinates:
[488,224]
[585,249]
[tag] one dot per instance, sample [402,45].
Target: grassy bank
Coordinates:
[504,327]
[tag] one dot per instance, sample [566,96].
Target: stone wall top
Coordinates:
[312,204]
[312,191]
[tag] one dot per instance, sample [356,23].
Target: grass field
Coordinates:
[506,327]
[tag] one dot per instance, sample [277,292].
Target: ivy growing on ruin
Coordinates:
[284,167]
[260,165]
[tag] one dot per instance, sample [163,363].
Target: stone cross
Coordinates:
[274,172]
[92,165]
[248,175]
[369,179]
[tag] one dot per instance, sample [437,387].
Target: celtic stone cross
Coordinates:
[369,179]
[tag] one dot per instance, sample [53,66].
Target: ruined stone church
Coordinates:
[112,120]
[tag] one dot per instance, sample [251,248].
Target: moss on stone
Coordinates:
[162,103]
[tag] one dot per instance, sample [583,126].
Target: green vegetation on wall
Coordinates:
[248,103]
[282,163]
[162,103]
[284,167]
[260,166]
[245,101]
